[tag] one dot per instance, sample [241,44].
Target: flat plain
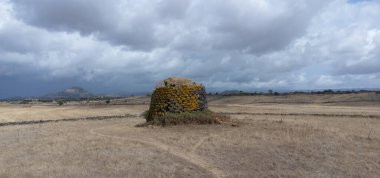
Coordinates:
[301,135]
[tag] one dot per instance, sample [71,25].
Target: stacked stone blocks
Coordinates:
[176,99]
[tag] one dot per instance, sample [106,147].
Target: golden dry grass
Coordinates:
[342,142]
[12,112]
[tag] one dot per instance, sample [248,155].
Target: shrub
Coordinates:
[108,101]
[60,102]
[25,102]
[328,91]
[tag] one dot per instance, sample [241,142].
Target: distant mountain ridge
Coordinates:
[70,93]
[230,92]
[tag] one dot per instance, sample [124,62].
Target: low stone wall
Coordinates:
[64,120]
[177,99]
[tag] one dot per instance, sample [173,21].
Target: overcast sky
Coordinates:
[122,46]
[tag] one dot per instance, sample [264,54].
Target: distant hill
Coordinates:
[70,93]
[231,92]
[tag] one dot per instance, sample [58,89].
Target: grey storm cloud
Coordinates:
[105,19]
[244,44]
[252,26]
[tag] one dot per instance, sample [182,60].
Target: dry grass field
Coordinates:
[272,136]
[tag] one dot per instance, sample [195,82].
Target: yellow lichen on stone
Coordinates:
[176,97]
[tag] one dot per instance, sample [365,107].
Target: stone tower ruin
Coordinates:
[176,95]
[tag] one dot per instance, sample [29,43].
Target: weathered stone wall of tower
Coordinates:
[177,99]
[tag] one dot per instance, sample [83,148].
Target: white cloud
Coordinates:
[327,81]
